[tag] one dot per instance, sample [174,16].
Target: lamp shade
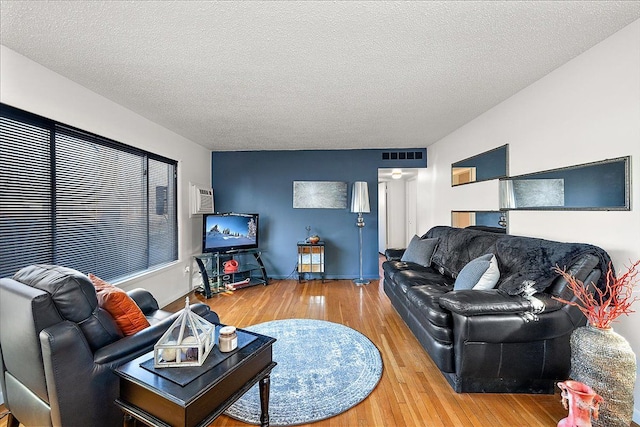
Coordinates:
[360,197]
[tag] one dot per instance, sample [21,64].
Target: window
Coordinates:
[72,198]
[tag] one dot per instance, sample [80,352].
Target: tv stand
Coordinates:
[216,277]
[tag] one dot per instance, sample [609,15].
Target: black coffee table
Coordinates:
[155,400]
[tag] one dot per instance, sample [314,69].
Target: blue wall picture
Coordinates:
[262,182]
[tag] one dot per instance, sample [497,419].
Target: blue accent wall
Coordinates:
[262,182]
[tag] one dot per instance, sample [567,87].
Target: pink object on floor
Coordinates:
[582,401]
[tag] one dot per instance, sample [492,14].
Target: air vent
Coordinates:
[402,155]
[201,199]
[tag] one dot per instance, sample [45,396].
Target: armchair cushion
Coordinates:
[144,300]
[75,300]
[128,316]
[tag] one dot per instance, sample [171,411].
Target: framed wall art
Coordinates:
[319,195]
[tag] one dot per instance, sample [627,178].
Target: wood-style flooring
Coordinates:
[412,392]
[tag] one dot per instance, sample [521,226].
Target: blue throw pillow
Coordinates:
[480,273]
[420,251]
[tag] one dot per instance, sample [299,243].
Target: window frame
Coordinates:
[53,128]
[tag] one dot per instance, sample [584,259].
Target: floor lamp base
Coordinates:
[360,282]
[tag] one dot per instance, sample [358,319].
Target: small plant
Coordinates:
[602,307]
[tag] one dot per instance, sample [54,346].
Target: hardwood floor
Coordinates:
[412,392]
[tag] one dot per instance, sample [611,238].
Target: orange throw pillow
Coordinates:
[128,316]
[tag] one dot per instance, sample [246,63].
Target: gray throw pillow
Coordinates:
[480,273]
[420,251]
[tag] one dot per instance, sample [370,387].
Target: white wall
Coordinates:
[27,85]
[585,111]
[396,214]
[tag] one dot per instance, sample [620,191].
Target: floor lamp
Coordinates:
[360,205]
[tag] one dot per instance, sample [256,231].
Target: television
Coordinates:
[229,232]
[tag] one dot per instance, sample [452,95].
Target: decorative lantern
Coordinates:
[187,342]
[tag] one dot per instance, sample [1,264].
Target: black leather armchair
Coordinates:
[58,348]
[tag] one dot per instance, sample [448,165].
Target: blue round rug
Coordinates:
[323,369]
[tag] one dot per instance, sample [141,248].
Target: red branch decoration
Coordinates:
[602,307]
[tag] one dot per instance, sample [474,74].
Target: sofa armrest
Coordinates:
[144,300]
[471,302]
[394,254]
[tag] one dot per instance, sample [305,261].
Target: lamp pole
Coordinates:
[360,223]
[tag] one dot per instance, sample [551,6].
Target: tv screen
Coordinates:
[227,232]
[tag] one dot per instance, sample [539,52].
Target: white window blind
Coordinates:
[110,209]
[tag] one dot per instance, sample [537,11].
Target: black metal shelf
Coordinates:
[215,279]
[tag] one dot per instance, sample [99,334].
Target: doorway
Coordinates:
[397,207]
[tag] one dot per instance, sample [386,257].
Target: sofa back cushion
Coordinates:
[581,269]
[457,246]
[75,299]
[525,263]
[528,263]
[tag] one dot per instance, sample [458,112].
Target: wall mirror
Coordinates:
[602,185]
[495,221]
[491,164]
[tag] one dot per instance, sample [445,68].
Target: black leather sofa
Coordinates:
[58,348]
[513,338]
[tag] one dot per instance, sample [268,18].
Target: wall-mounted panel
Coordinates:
[492,164]
[603,185]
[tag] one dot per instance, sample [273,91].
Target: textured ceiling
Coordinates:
[308,75]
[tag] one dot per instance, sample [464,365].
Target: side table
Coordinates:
[310,259]
[158,401]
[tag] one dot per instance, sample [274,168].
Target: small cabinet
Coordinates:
[310,259]
[221,272]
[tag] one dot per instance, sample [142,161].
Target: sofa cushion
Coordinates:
[426,299]
[391,268]
[406,279]
[480,273]
[420,251]
[128,316]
